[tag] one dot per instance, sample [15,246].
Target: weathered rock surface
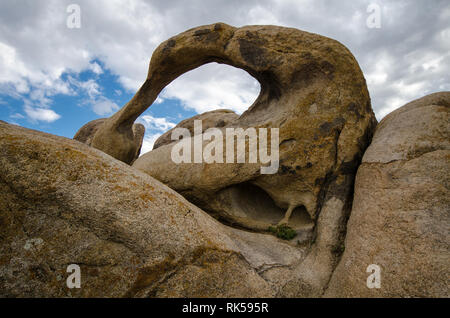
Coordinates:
[312,89]
[62,202]
[400,218]
[215,118]
[86,133]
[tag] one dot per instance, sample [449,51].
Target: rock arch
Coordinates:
[312,89]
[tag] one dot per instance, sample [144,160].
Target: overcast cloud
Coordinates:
[408,57]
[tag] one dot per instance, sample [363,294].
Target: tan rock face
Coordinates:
[216,118]
[400,218]
[86,133]
[62,203]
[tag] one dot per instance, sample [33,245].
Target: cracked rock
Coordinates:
[62,203]
[400,218]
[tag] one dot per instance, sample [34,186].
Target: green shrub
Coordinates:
[283,231]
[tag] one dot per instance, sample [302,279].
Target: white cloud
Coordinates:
[104,106]
[16,115]
[96,68]
[156,123]
[261,15]
[41,114]
[214,86]
[148,142]
[377,73]
[13,70]
[100,104]
[36,47]
[90,87]
[154,127]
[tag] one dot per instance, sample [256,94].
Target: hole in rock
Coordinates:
[214,86]
[248,206]
[209,87]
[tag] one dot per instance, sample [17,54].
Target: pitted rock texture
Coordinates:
[215,118]
[400,218]
[87,132]
[62,203]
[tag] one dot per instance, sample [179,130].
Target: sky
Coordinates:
[58,72]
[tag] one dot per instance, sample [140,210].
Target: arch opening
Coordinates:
[209,87]
[214,86]
[247,206]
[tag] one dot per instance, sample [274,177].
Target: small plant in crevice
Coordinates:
[283,231]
